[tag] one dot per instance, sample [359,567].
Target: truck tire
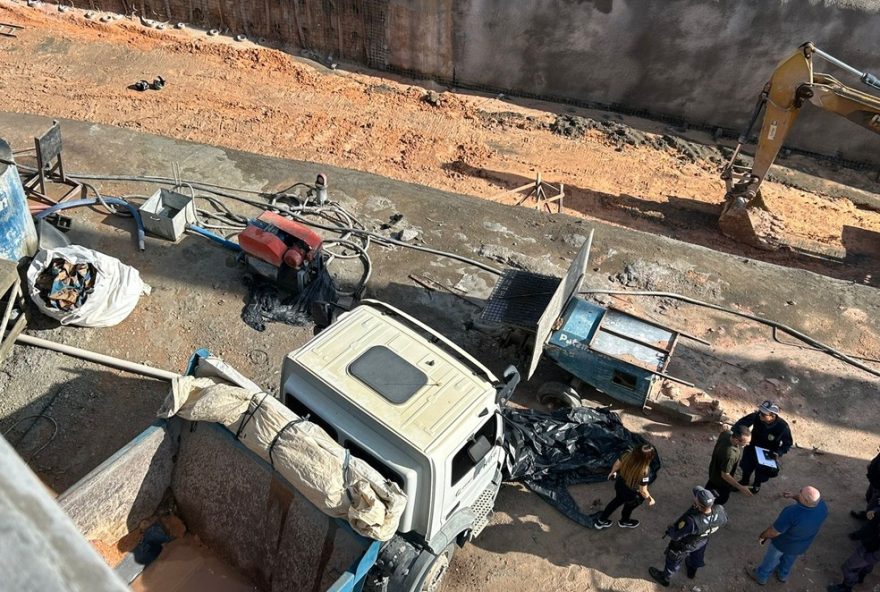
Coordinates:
[401,567]
[431,579]
[557,394]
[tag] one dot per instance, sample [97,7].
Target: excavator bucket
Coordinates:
[750,222]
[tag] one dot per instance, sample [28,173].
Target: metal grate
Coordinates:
[483,509]
[519,299]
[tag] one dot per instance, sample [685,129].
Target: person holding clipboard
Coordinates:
[771,438]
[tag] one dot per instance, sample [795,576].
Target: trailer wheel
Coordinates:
[557,394]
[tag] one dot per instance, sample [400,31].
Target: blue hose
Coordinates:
[91,202]
[214,237]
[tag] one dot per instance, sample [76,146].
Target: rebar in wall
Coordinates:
[375,20]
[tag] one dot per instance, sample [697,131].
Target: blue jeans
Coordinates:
[774,557]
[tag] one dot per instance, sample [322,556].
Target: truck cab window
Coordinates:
[374,462]
[473,451]
[300,409]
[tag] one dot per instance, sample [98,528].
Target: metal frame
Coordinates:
[49,162]
[10,290]
[12,29]
[536,190]
[673,341]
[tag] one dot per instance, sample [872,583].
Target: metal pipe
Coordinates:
[214,237]
[744,137]
[830,58]
[97,358]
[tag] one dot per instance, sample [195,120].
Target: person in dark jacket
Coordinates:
[872,496]
[690,535]
[864,558]
[770,432]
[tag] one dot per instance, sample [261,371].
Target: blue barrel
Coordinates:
[18,236]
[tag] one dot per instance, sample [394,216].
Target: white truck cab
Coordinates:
[422,412]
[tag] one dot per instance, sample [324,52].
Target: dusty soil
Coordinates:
[263,100]
[187,565]
[198,295]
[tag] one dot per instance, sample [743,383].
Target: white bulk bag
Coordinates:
[116,292]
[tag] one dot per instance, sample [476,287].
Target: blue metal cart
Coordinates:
[617,353]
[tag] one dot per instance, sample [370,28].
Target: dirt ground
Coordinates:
[197,298]
[262,100]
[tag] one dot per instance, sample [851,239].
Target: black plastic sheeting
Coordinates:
[549,452]
[266,303]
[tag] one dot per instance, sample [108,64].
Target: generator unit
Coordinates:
[283,251]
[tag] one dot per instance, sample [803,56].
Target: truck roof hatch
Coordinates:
[388,374]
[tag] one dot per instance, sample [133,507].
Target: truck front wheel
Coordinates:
[402,567]
[432,580]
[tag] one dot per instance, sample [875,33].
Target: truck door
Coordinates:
[472,467]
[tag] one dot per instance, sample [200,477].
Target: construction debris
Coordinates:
[689,404]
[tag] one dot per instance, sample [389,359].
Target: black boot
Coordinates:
[659,576]
[838,588]
[691,572]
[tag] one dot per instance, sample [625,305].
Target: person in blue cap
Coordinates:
[770,432]
[689,536]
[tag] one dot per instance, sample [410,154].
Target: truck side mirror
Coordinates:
[505,389]
[478,449]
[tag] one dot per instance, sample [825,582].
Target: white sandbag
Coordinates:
[340,485]
[116,291]
[204,399]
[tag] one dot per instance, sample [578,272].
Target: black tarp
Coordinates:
[549,452]
[267,303]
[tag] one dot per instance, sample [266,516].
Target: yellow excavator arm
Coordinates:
[793,84]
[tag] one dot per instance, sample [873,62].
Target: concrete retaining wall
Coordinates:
[112,500]
[701,61]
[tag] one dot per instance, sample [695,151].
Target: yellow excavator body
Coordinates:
[745,217]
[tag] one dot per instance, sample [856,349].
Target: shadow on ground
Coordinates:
[626,554]
[75,425]
[696,222]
